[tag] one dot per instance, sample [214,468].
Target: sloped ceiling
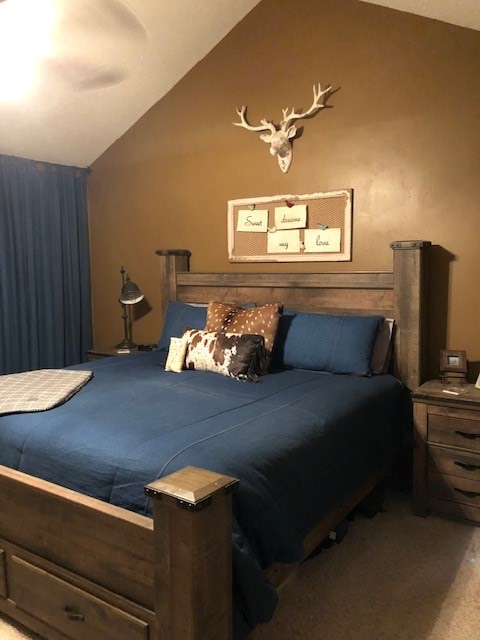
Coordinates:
[98,65]
[464,13]
[106,63]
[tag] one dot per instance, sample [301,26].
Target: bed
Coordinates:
[137,528]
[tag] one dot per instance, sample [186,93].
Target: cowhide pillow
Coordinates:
[230,354]
[261,321]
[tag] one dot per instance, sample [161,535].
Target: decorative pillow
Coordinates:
[324,342]
[383,347]
[178,316]
[261,321]
[230,354]
[176,355]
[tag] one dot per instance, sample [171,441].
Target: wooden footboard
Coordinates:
[75,567]
[72,567]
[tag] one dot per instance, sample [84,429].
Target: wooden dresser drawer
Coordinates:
[3,579]
[452,430]
[43,595]
[454,488]
[455,509]
[454,462]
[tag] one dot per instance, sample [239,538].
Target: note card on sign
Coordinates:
[255,221]
[283,242]
[291,217]
[320,241]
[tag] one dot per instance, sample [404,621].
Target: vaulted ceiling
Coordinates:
[74,76]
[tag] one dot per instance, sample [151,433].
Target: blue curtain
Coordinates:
[45,314]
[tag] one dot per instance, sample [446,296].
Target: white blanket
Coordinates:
[39,390]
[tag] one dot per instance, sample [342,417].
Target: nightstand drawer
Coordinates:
[43,595]
[455,509]
[450,429]
[453,488]
[454,462]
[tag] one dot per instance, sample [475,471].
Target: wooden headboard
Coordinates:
[398,294]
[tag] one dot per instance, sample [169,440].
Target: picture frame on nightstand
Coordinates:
[453,366]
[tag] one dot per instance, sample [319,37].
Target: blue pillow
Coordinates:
[325,342]
[178,317]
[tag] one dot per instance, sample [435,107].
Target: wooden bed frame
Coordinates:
[72,567]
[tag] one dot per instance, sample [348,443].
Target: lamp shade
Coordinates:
[131,294]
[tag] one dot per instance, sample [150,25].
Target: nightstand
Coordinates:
[97,354]
[446,458]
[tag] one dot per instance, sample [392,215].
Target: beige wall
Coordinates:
[403,132]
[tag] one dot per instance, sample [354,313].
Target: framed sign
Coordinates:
[453,365]
[453,361]
[291,228]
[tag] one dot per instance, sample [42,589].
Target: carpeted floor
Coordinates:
[394,577]
[10,631]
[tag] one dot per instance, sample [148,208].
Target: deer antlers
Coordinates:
[266,125]
[279,139]
[317,94]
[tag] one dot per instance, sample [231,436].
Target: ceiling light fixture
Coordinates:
[25,31]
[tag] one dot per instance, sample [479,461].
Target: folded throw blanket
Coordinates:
[39,390]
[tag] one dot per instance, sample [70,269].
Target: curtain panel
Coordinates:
[45,309]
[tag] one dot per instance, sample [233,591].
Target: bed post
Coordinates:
[172,261]
[193,555]
[410,307]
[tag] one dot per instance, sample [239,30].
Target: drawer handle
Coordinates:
[73,614]
[467,467]
[470,436]
[468,494]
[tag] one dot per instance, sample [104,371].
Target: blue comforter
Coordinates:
[298,441]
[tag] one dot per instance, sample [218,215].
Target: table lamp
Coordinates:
[130,294]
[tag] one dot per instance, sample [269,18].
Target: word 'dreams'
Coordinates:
[291,217]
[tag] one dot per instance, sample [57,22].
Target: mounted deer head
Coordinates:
[279,139]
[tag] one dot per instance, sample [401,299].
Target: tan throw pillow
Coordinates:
[176,355]
[261,321]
